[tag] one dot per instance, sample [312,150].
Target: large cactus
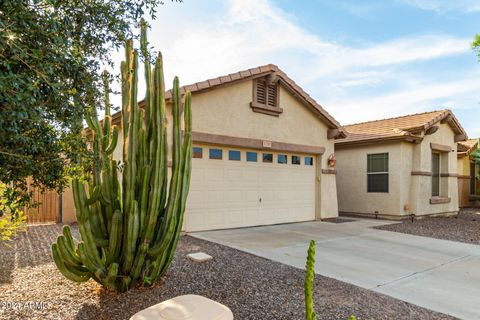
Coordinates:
[129,229]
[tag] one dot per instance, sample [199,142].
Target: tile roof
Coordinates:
[407,127]
[466,147]
[257,72]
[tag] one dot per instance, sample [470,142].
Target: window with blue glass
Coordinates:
[282,158]
[268,157]
[216,154]
[295,159]
[197,152]
[234,155]
[252,156]
[308,161]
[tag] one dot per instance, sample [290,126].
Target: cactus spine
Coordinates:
[130,229]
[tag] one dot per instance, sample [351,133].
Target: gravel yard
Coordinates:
[464,227]
[252,287]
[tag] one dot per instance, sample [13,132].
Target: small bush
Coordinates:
[12,218]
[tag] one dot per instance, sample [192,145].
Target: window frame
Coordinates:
[210,154]
[251,153]
[265,154]
[272,109]
[386,173]
[473,179]
[283,156]
[305,161]
[436,193]
[230,152]
[293,162]
[193,152]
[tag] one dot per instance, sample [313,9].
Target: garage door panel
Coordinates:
[214,198]
[214,174]
[196,198]
[230,194]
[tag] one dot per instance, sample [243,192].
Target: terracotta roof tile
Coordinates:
[294,89]
[214,82]
[466,147]
[398,127]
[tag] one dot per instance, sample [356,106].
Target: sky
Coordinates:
[360,59]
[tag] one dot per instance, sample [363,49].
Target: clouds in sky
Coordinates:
[368,80]
[443,6]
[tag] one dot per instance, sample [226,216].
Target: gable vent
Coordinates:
[261,91]
[272,95]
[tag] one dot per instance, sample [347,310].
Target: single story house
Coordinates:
[261,149]
[398,167]
[468,185]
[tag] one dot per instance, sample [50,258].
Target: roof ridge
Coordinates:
[398,117]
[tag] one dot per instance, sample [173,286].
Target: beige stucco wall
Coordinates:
[226,111]
[352,181]
[463,167]
[464,196]
[68,206]
[448,185]
[408,194]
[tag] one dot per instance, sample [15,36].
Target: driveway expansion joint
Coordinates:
[423,271]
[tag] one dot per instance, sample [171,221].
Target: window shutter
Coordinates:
[261,91]
[272,95]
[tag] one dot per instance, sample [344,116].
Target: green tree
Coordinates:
[476,45]
[50,53]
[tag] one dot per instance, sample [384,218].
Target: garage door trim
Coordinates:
[221,140]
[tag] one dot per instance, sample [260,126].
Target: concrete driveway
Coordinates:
[436,274]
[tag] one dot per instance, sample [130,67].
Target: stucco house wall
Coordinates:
[225,111]
[463,167]
[410,177]
[352,181]
[448,170]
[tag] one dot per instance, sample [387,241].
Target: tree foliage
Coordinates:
[50,57]
[12,218]
[476,45]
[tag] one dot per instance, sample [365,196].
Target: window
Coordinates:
[251,156]
[472,178]
[216,154]
[308,161]
[295,159]
[435,174]
[377,172]
[197,152]
[282,158]
[268,157]
[234,155]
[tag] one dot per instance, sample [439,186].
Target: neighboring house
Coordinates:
[401,166]
[261,149]
[468,186]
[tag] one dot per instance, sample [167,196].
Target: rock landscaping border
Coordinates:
[252,287]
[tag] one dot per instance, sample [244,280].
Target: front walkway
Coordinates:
[436,274]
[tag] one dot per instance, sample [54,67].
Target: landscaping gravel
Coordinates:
[252,287]
[464,227]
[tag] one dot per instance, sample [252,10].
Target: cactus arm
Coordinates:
[69,256]
[113,143]
[68,235]
[67,273]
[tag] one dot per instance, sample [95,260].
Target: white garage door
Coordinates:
[233,187]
